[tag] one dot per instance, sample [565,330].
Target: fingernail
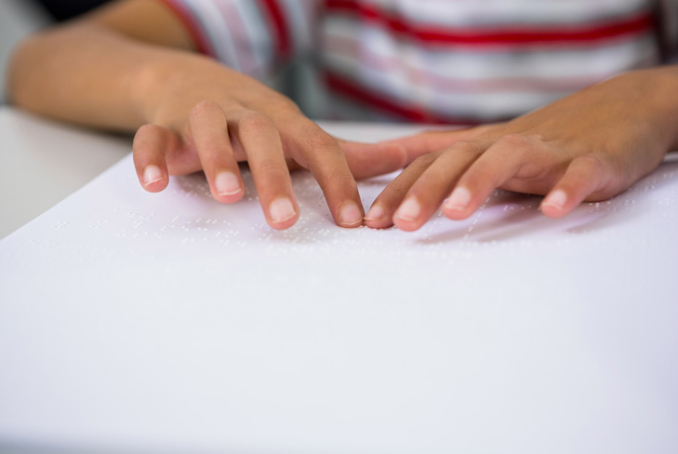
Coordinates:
[282,210]
[350,214]
[556,199]
[227,184]
[459,199]
[375,213]
[409,210]
[151,175]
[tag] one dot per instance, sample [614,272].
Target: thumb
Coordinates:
[368,160]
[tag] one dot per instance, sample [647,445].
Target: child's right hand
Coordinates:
[204,116]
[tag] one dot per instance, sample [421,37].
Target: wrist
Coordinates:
[661,87]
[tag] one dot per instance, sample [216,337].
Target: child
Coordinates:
[133,65]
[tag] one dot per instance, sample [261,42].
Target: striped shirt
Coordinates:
[436,61]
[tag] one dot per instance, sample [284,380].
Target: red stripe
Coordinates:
[192,25]
[351,47]
[279,26]
[496,37]
[342,86]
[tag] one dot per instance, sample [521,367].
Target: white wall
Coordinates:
[17,19]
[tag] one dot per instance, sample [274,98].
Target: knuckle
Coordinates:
[203,108]
[283,104]
[148,131]
[515,140]
[316,139]
[609,174]
[592,163]
[425,160]
[473,179]
[254,123]
[466,148]
[146,137]
[271,170]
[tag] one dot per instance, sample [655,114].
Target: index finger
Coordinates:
[321,154]
[260,140]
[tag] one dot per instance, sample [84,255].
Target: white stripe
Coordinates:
[299,16]
[470,13]
[218,32]
[592,62]
[258,35]
[449,103]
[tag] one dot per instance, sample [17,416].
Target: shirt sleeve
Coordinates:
[254,37]
[668,22]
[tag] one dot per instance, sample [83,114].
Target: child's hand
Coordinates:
[131,66]
[204,116]
[589,146]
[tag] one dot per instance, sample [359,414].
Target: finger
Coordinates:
[209,133]
[501,162]
[436,140]
[321,154]
[259,139]
[427,193]
[583,177]
[368,160]
[380,214]
[151,144]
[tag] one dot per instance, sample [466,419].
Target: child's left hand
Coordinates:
[588,146]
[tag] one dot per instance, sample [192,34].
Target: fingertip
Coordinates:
[282,213]
[154,179]
[553,212]
[230,198]
[457,206]
[228,187]
[456,215]
[375,213]
[554,205]
[350,215]
[379,224]
[148,152]
[408,215]
[406,225]
[376,218]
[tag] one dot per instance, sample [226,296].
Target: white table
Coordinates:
[135,322]
[42,162]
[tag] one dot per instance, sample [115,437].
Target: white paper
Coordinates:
[136,321]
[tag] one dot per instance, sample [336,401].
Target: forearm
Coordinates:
[99,71]
[665,87]
[85,74]
[652,96]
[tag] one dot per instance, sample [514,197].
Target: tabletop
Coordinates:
[42,162]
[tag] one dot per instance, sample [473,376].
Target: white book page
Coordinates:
[137,321]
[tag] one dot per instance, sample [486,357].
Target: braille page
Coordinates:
[164,322]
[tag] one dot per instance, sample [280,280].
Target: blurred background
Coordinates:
[18,18]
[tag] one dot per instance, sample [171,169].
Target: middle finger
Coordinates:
[258,137]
